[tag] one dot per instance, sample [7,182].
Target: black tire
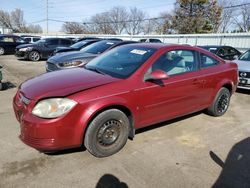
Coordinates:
[34,56]
[1,86]
[220,103]
[107,133]
[2,51]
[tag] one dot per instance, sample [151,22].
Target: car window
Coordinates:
[121,62]
[176,62]
[245,56]
[98,47]
[231,51]
[155,40]
[207,61]
[222,52]
[19,39]
[27,39]
[52,41]
[7,39]
[78,44]
[66,42]
[36,39]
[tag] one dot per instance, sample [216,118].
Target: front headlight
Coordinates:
[76,63]
[53,108]
[25,49]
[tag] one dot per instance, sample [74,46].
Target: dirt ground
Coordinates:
[195,151]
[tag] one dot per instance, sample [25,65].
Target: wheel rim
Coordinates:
[223,103]
[1,51]
[35,56]
[108,133]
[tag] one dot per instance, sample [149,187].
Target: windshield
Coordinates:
[78,44]
[245,56]
[121,62]
[98,47]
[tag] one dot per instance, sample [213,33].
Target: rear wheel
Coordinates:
[2,51]
[107,133]
[34,56]
[220,103]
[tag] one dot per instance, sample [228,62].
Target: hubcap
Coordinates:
[223,103]
[109,132]
[1,51]
[35,56]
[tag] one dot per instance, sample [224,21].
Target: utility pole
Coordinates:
[47,15]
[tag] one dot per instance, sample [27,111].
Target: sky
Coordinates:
[78,10]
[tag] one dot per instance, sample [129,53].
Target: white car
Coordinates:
[243,63]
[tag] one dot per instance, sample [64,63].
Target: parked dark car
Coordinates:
[150,40]
[1,78]
[75,47]
[225,52]
[41,49]
[8,43]
[127,88]
[76,59]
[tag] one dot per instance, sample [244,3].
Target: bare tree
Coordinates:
[226,15]
[134,24]
[17,21]
[34,28]
[5,19]
[102,23]
[73,28]
[242,18]
[118,16]
[164,24]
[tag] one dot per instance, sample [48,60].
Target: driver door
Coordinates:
[180,94]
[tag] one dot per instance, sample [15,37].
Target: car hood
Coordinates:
[63,83]
[25,46]
[243,65]
[70,56]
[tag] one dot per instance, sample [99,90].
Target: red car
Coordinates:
[127,88]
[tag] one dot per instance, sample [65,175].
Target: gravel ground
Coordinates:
[195,151]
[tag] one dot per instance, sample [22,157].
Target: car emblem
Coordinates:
[243,74]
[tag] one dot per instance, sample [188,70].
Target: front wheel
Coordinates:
[107,133]
[220,103]
[34,56]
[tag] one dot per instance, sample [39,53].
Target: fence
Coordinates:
[241,41]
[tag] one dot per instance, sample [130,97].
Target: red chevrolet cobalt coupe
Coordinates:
[127,88]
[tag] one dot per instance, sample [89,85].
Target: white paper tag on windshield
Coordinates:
[110,43]
[139,52]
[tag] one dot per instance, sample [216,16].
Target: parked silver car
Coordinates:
[243,63]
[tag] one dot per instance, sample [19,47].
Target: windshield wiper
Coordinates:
[95,69]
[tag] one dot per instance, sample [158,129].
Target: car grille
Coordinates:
[51,66]
[243,74]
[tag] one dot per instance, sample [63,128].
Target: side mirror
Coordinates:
[156,75]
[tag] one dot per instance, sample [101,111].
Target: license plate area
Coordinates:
[243,81]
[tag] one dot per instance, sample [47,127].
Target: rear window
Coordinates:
[52,41]
[98,47]
[66,42]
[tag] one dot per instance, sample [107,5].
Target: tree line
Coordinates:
[188,17]
[14,20]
